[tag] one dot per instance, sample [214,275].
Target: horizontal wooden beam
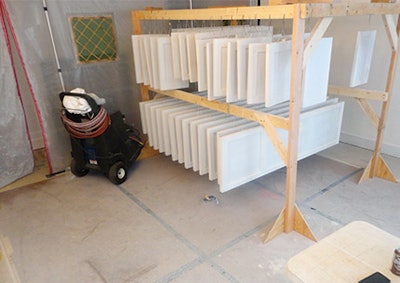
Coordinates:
[358,93]
[316,10]
[226,13]
[238,111]
[348,9]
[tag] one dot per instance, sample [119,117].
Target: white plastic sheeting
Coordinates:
[113,81]
[15,150]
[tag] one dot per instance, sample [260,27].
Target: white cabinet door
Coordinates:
[166,79]
[246,155]
[362,57]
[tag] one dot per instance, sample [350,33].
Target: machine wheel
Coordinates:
[117,173]
[78,170]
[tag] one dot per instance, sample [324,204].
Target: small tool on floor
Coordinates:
[208,198]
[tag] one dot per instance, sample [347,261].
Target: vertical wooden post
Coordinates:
[296,94]
[291,219]
[377,166]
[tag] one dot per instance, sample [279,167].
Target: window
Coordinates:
[94,38]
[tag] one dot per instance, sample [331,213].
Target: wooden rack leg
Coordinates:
[300,226]
[290,218]
[382,171]
[144,92]
[377,166]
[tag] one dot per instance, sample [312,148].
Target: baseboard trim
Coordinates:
[363,142]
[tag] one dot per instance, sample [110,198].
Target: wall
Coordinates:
[357,129]
[76,74]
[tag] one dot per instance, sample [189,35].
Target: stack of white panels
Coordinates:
[232,150]
[234,63]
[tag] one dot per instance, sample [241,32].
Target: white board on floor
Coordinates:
[362,57]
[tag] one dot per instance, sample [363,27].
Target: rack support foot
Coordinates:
[382,171]
[300,226]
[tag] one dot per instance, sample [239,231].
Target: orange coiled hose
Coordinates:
[87,129]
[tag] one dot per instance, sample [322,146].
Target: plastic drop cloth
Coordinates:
[15,150]
[110,80]
[113,81]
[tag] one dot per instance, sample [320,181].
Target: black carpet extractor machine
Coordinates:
[99,141]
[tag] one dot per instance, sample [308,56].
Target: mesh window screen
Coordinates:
[94,38]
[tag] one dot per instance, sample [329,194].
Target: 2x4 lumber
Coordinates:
[275,139]
[369,111]
[375,163]
[283,2]
[226,13]
[358,93]
[316,34]
[242,112]
[136,26]
[348,9]
[296,94]
[316,10]
[390,28]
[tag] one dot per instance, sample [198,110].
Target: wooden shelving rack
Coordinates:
[291,219]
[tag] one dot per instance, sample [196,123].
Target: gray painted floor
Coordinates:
[156,227]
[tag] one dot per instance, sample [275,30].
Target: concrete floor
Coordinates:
[156,227]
